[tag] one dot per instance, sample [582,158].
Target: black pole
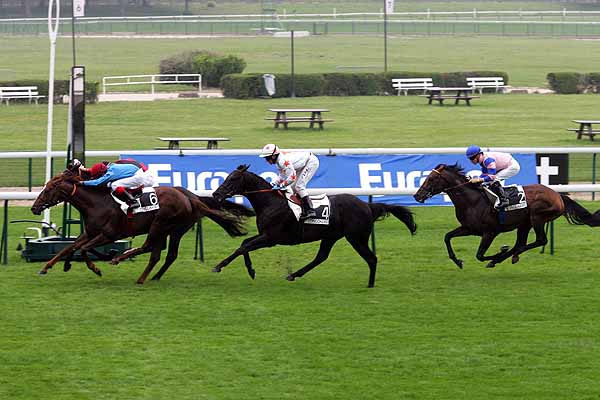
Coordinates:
[73,33]
[293,75]
[385,62]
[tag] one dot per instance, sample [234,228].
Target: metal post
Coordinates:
[30,161]
[551,238]
[373,233]
[4,240]
[293,89]
[385,60]
[593,174]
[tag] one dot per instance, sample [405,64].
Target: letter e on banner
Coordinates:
[79,8]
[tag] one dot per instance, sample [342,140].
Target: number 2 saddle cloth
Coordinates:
[319,202]
[515,195]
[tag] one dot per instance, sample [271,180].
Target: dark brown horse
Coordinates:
[105,222]
[350,218]
[477,217]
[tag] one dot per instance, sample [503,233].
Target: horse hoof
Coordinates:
[216,269]
[67,268]
[98,272]
[42,272]
[114,262]
[504,248]
[515,259]
[290,278]
[491,264]
[459,263]
[252,273]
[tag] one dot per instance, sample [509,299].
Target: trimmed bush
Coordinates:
[566,82]
[61,88]
[338,84]
[212,66]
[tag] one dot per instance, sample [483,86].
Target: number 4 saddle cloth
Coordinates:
[320,204]
[515,195]
[146,198]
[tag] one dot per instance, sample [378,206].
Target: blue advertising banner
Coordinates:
[207,172]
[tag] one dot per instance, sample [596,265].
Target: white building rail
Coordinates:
[151,80]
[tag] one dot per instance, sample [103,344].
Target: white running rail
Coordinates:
[151,80]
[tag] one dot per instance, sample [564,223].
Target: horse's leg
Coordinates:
[90,264]
[362,247]
[540,240]
[460,231]
[154,258]
[322,254]
[174,241]
[67,251]
[247,260]
[522,233]
[486,240]
[248,245]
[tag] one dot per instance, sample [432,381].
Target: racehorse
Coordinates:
[350,217]
[477,217]
[105,222]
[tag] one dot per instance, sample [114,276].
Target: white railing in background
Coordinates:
[151,80]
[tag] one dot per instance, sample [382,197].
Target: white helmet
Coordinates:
[269,150]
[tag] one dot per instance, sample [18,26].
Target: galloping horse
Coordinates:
[478,218]
[105,222]
[350,217]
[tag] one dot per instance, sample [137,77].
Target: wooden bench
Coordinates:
[8,93]
[482,82]
[403,85]
[460,93]
[174,142]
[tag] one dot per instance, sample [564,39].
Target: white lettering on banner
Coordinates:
[369,176]
[156,169]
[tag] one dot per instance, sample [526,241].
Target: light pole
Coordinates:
[293,94]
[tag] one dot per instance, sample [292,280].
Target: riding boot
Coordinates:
[307,210]
[499,190]
[127,197]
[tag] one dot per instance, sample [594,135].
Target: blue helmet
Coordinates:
[473,150]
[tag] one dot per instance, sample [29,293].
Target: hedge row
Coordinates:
[246,86]
[574,82]
[61,88]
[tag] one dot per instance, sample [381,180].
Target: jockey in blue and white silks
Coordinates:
[495,168]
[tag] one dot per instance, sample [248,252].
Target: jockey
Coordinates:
[495,168]
[295,170]
[119,175]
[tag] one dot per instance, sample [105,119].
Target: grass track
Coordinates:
[426,331]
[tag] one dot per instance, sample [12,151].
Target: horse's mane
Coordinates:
[244,169]
[454,168]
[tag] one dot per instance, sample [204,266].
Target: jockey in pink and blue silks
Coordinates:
[296,169]
[495,168]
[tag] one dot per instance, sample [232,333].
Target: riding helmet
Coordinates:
[473,150]
[269,150]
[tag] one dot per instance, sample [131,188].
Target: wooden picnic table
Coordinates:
[175,142]
[586,128]
[316,117]
[459,93]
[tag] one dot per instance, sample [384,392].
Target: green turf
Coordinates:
[526,60]
[426,331]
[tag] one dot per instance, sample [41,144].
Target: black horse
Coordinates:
[477,217]
[350,217]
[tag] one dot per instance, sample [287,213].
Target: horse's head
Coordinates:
[441,178]
[234,184]
[57,190]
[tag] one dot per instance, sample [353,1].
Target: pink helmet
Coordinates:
[269,150]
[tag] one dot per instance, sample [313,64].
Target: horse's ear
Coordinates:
[243,167]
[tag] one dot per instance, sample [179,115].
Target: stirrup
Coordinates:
[309,214]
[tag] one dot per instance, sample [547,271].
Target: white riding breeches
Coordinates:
[309,170]
[508,172]
[140,178]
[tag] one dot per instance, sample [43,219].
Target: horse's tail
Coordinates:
[381,210]
[229,206]
[234,225]
[577,214]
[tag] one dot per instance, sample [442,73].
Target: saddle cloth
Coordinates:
[148,201]
[320,204]
[515,195]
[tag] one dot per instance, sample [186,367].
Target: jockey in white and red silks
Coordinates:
[296,169]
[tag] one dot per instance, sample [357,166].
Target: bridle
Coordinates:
[430,193]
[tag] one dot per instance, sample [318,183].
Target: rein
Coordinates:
[452,187]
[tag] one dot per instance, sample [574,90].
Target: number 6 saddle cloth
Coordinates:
[147,199]
[320,204]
